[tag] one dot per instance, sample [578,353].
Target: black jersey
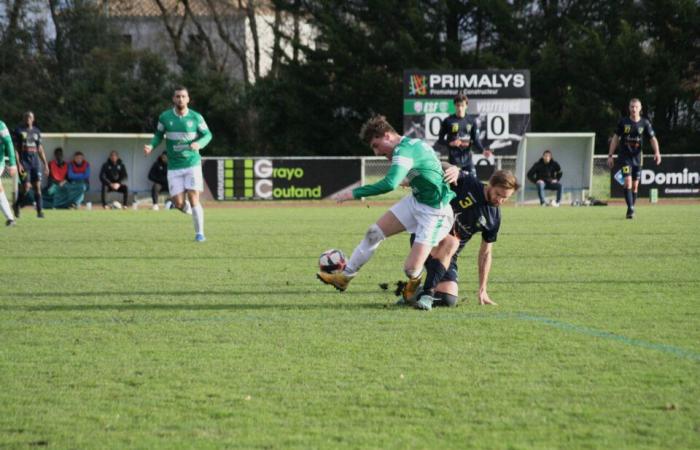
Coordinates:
[631,136]
[473,214]
[466,129]
[27,139]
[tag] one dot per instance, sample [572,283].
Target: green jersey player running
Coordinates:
[6,149]
[426,212]
[185,133]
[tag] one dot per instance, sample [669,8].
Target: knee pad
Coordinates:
[446,299]
[374,235]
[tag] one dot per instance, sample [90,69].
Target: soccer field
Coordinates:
[118,331]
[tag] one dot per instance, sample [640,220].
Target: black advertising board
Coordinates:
[279,178]
[676,176]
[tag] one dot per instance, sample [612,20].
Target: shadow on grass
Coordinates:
[232,293]
[330,305]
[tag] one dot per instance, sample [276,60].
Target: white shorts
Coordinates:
[187,179]
[429,225]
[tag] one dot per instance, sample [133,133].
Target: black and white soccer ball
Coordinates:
[331,261]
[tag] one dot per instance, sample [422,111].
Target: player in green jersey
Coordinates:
[185,133]
[6,149]
[426,213]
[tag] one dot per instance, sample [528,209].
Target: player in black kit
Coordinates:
[476,209]
[630,135]
[461,134]
[30,160]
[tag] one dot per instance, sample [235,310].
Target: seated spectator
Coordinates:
[112,176]
[546,173]
[58,169]
[159,176]
[78,177]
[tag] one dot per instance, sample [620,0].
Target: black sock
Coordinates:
[634,198]
[628,198]
[37,198]
[435,272]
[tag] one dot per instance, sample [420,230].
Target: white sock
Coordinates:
[364,251]
[198,219]
[5,207]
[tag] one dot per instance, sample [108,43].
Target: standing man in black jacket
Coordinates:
[546,174]
[158,175]
[112,176]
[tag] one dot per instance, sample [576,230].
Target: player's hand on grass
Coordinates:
[484,299]
[147,149]
[194,146]
[343,196]
[451,174]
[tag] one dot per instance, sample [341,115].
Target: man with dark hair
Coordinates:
[185,133]
[546,173]
[158,175]
[79,177]
[630,133]
[460,134]
[31,157]
[112,176]
[426,212]
[477,210]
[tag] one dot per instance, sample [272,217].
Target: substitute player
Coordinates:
[30,161]
[461,134]
[185,133]
[426,212]
[477,210]
[630,133]
[7,149]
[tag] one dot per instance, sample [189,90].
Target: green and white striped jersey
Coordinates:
[6,146]
[179,132]
[415,160]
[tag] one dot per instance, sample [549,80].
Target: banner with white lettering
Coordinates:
[279,178]
[499,99]
[676,176]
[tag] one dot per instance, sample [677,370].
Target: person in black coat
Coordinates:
[546,173]
[112,176]
[158,175]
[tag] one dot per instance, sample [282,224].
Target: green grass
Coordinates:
[118,331]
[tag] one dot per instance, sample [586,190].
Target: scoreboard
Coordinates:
[499,98]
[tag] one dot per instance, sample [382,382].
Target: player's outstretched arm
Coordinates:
[391,181]
[484,269]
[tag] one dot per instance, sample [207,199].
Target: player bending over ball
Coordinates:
[185,133]
[477,210]
[426,213]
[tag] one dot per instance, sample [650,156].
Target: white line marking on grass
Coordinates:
[670,349]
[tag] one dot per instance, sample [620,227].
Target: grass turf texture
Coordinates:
[116,331]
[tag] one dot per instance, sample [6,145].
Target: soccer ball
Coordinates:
[331,261]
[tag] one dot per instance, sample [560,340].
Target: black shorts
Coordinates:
[631,167]
[31,163]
